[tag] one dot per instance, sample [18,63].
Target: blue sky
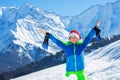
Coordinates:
[61,7]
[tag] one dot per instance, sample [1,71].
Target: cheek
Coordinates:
[76,39]
[71,39]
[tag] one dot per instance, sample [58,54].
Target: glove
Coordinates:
[45,42]
[97,33]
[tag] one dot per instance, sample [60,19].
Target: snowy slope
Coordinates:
[101,64]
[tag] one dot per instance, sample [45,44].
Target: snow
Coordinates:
[98,67]
[20,26]
[47,74]
[55,19]
[0,11]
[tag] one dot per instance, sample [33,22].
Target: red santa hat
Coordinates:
[75,33]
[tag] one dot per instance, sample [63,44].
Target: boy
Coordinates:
[74,50]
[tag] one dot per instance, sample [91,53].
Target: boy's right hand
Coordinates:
[42,31]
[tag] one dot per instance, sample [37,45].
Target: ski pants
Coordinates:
[80,74]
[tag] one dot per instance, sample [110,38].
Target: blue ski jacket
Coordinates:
[74,52]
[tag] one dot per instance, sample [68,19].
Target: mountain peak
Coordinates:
[29,5]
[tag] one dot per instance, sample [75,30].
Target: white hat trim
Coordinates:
[74,34]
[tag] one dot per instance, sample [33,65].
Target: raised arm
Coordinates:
[58,42]
[89,37]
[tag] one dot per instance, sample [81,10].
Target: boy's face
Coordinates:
[73,39]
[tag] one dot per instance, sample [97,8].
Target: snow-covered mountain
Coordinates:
[24,23]
[20,39]
[101,64]
[108,14]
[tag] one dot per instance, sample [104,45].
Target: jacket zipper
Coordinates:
[75,58]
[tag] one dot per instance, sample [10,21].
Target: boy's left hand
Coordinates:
[98,24]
